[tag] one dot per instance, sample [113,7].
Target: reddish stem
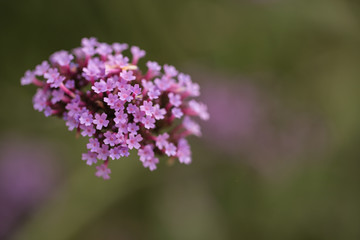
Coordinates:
[66,90]
[37,82]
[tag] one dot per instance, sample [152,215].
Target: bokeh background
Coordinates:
[279,158]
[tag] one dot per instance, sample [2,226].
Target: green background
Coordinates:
[302,54]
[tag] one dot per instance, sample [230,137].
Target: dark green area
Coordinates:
[304,52]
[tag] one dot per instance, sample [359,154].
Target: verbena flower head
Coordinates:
[103,94]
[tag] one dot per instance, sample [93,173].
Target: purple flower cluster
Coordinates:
[103,95]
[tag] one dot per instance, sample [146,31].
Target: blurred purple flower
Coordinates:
[248,120]
[28,173]
[98,93]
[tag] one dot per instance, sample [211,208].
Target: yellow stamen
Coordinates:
[130,67]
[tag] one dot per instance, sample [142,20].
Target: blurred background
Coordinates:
[279,157]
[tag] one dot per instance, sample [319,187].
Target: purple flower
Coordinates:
[148,122]
[120,135]
[154,93]
[89,42]
[133,128]
[184,79]
[131,108]
[175,99]
[193,89]
[170,149]
[93,145]
[122,84]
[119,47]
[177,112]
[103,49]
[138,116]
[170,71]
[103,152]
[151,164]
[51,75]
[40,99]
[99,87]
[154,67]
[115,153]
[118,105]
[136,89]
[192,126]
[183,151]
[147,108]
[111,99]
[125,95]
[161,140]
[70,84]
[133,141]
[57,82]
[110,84]
[110,138]
[124,152]
[42,68]
[120,117]
[122,129]
[94,70]
[163,84]
[98,92]
[146,153]
[100,121]
[47,111]
[73,108]
[137,54]
[87,130]
[116,62]
[147,84]
[62,58]
[103,171]
[127,75]
[28,78]
[90,158]
[57,96]
[200,109]
[159,113]
[72,123]
[89,51]
[86,118]
[78,53]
